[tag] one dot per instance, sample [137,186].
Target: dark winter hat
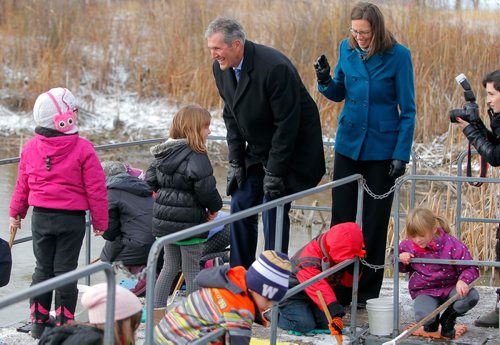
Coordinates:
[56,109]
[268,275]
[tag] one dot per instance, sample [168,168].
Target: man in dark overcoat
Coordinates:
[273,132]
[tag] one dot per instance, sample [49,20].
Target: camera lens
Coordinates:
[454,113]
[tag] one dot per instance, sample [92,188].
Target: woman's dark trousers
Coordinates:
[376,214]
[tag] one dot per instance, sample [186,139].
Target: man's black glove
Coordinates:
[322,70]
[397,168]
[235,177]
[274,186]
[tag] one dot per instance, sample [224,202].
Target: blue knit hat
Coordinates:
[268,275]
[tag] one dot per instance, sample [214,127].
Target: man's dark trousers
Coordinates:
[244,232]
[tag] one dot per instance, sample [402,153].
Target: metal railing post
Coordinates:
[413,187]
[359,213]
[88,244]
[354,301]
[196,230]
[456,179]
[395,323]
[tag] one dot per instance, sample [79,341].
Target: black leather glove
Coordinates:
[274,186]
[235,177]
[336,309]
[397,168]
[322,68]
[494,123]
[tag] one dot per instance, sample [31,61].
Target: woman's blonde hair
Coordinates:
[188,123]
[125,329]
[421,221]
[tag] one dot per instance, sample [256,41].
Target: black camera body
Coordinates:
[470,111]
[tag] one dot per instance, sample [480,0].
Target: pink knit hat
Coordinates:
[136,172]
[94,300]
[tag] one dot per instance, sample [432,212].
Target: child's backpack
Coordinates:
[5,262]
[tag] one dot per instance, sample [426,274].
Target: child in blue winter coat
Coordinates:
[430,285]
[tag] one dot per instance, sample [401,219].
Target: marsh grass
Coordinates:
[157,49]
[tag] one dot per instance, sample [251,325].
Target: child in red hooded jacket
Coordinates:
[302,312]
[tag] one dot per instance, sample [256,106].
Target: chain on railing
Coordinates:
[398,180]
[375,267]
[381,196]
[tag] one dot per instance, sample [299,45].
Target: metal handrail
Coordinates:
[457,179]
[458,217]
[63,279]
[105,147]
[199,229]
[217,333]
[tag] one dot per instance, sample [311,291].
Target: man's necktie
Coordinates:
[237,73]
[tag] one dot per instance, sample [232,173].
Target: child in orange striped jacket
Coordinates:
[229,298]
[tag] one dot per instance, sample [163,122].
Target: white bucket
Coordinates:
[380,315]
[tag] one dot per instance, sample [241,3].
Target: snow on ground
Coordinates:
[100,112]
[474,335]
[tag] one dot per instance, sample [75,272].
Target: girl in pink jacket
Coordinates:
[430,285]
[60,175]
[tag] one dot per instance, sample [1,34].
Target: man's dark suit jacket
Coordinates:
[271,118]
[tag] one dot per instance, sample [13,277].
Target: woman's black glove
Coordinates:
[322,68]
[274,186]
[397,168]
[235,177]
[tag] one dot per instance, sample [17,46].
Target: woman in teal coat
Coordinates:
[374,78]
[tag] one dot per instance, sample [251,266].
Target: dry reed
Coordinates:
[157,49]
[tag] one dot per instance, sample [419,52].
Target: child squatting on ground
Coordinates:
[130,211]
[128,312]
[59,175]
[229,298]
[303,311]
[430,285]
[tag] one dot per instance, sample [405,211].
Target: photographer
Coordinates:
[487,144]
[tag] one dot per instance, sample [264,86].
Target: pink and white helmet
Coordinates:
[56,109]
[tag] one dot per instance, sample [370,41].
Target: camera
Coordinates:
[470,111]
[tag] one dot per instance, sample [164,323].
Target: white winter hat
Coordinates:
[56,109]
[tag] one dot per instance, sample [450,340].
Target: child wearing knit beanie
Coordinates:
[229,298]
[127,316]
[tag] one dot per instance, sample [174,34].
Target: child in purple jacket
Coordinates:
[430,285]
[60,175]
